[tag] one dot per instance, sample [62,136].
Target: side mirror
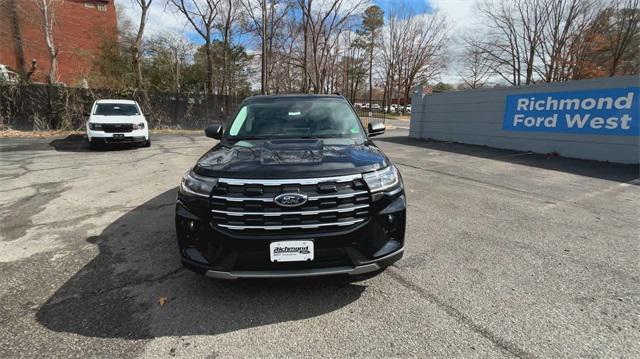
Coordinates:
[147,114]
[213,131]
[87,114]
[375,129]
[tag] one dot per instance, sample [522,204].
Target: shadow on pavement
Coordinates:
[79,143]
[116,295]
[597,169]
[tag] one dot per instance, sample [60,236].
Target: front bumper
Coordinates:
[227,254]
[107,137]
[369,267]
[125,139]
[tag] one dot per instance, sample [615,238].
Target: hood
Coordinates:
[293,158]
[116,119]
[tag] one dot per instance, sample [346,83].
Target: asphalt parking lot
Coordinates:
[509,254]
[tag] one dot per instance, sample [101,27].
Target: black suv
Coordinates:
[294,188]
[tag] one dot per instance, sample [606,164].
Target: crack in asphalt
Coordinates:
[501,343]
[20,161]
[82,218]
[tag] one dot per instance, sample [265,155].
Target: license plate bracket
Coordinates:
[291,251]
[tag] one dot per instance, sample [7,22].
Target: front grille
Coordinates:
[117,127]
[248,205]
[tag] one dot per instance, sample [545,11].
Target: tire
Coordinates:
[147,143]
[93,145]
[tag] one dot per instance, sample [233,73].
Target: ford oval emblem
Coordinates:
[290,199]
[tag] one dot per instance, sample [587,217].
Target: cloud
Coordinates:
[161,18]
[460,17]
[458,12]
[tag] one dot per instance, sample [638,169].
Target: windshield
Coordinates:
[296,118]
[116,109]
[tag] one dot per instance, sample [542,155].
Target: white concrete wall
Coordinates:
[476,117]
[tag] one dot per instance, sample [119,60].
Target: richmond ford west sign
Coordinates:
[595,112]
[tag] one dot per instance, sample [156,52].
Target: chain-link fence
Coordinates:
[43,107]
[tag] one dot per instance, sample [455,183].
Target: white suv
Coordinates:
[117,121]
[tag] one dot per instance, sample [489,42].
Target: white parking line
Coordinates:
[619,186]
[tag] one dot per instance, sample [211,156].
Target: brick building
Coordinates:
[80,28]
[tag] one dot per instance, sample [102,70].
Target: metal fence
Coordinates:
[41,107]
[369,114]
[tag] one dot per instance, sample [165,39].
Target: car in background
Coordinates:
[117,122]
[294,188]
[7,75]
[407,109]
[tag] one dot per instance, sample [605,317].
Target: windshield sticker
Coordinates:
[239,121]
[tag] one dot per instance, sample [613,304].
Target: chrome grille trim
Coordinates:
[342,224]
[346,195]
[300,181]
[243,199]
[276,214]
[270,199]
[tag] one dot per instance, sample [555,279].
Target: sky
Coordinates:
[164,19]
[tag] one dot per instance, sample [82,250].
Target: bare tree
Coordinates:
[325,23]
[566,19]
[229,14]
[265,18]
[201,14]
[558,40]
[286,56]
[412,51]
[426,36]
[169,53]
[623,31]
[532,17]
[390,58]
[305,6]
[47,22]
[136,53]
[512,33]
[353,58]
[476,66]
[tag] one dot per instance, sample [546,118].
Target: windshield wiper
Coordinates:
[318,137]
[241,138]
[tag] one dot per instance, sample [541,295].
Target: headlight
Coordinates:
[382,179]
[139,126]
[95,126]
[196,185]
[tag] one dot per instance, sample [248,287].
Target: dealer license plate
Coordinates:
[291,251]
